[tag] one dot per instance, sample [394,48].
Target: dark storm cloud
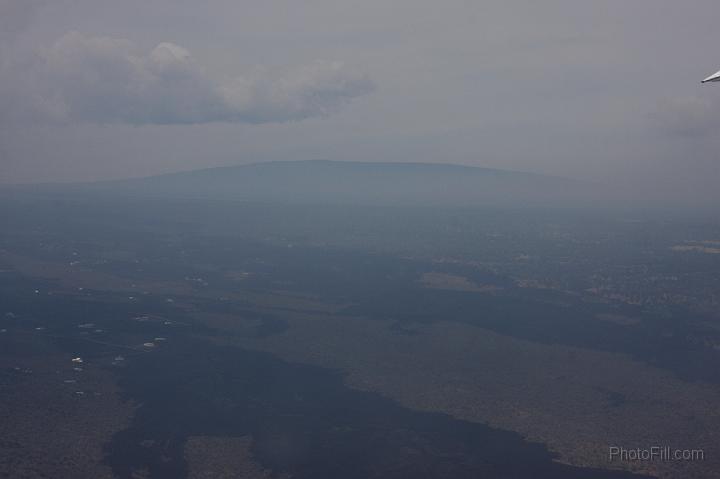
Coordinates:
[95,79]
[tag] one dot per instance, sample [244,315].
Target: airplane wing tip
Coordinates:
[712,78]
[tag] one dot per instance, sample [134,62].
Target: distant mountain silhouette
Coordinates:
[322,181]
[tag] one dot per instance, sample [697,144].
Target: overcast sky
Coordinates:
[604,90]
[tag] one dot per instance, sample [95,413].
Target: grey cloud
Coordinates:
[91,79]
[15,16]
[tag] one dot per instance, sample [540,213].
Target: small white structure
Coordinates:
[77,360]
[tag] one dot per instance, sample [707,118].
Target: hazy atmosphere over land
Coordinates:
[359,239]
[607,91]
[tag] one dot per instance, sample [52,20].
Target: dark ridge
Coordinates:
[339,182]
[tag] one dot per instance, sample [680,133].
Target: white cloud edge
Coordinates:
[97,79]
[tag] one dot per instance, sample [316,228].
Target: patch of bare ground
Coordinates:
[707,247]
[70,278]
[224,458]
[453,282]
[54,421]
[579,402]
[618,319]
